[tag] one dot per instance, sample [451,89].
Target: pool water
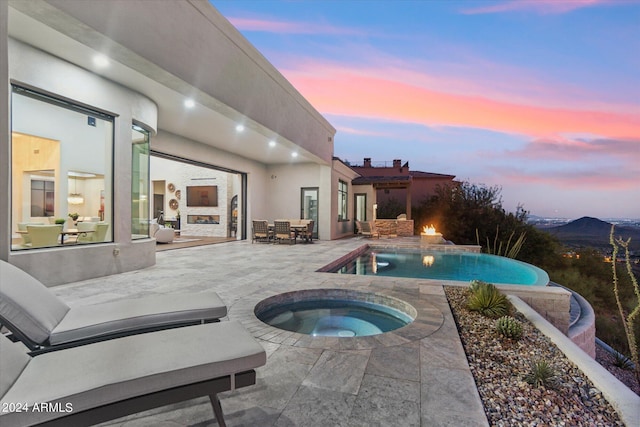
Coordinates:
[336,318]
[459,266]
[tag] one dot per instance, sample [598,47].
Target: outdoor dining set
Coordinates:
[279,231]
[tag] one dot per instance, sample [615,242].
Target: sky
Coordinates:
[538,97]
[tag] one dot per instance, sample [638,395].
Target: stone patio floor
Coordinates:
[415,376]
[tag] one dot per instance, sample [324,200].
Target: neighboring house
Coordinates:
[396,181]
[98,90]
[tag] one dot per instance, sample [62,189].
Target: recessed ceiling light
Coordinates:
[272,143]
[294,154]
[239,128]
[189,103]
[101,60]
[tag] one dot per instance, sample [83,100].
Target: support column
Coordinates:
[409,201]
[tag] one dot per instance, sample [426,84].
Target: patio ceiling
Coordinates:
[210,121]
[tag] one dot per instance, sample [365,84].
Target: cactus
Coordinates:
[509,327]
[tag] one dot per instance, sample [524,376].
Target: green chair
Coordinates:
[22,226]
[99,234]
[43,236]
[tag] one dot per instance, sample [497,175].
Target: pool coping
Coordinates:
[428,320]
[542,276]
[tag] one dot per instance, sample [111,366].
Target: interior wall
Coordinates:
[183,175]
[258,196]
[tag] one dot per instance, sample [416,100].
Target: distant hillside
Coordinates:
[593,232]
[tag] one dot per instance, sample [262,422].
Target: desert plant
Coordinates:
[475,284]
[486,299]
[621,361]
[510,251]
[541,373]
[509,327]
[629,320]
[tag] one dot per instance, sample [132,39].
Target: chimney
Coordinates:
[397,163]
[367,162]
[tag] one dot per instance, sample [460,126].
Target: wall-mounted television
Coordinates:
[202,195]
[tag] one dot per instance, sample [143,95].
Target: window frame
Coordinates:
[343,200]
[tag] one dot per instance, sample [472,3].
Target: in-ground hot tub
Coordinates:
[335,312]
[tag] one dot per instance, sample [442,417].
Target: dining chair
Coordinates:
[283,231]
[44,235]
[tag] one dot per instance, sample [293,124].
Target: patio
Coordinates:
[417,375]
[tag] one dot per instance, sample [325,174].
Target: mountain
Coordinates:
[593,232]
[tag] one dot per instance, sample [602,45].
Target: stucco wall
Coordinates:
[55,266]
[192,41]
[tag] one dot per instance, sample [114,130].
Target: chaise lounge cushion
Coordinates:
[28,304]
[110,371]
[88,321]
[40,316]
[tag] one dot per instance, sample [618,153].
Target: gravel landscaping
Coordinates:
[499,366]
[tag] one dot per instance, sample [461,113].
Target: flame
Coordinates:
[430,230]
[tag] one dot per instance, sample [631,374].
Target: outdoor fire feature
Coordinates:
[430,237]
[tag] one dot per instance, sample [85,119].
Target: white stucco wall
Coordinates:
[192,41]
[65,80]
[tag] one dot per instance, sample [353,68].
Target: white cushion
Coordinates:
[28,304]
[111,371]
[90,321]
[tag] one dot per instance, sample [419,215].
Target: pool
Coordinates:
[335,313]
[450,265]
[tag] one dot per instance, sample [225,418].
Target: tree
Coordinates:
[468,214]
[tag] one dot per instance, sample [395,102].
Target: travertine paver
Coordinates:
[417,375]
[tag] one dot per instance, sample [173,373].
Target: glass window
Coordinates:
[342,200]
[139,183]
[62,168]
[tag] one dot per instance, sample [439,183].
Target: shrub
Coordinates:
[509,327]
[486,299]
[541,374]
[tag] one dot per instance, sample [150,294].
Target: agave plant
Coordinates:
[541,374]
[486,299]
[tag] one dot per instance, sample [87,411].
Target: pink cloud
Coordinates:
[594,179]
[351,92]
[537,6]
[561,148]
[286,27]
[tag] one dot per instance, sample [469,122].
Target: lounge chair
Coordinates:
[43,322]
[110,379]
[367,229]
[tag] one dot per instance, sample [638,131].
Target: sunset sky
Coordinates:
[540,97]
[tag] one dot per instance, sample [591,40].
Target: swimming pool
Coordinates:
[450,265]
